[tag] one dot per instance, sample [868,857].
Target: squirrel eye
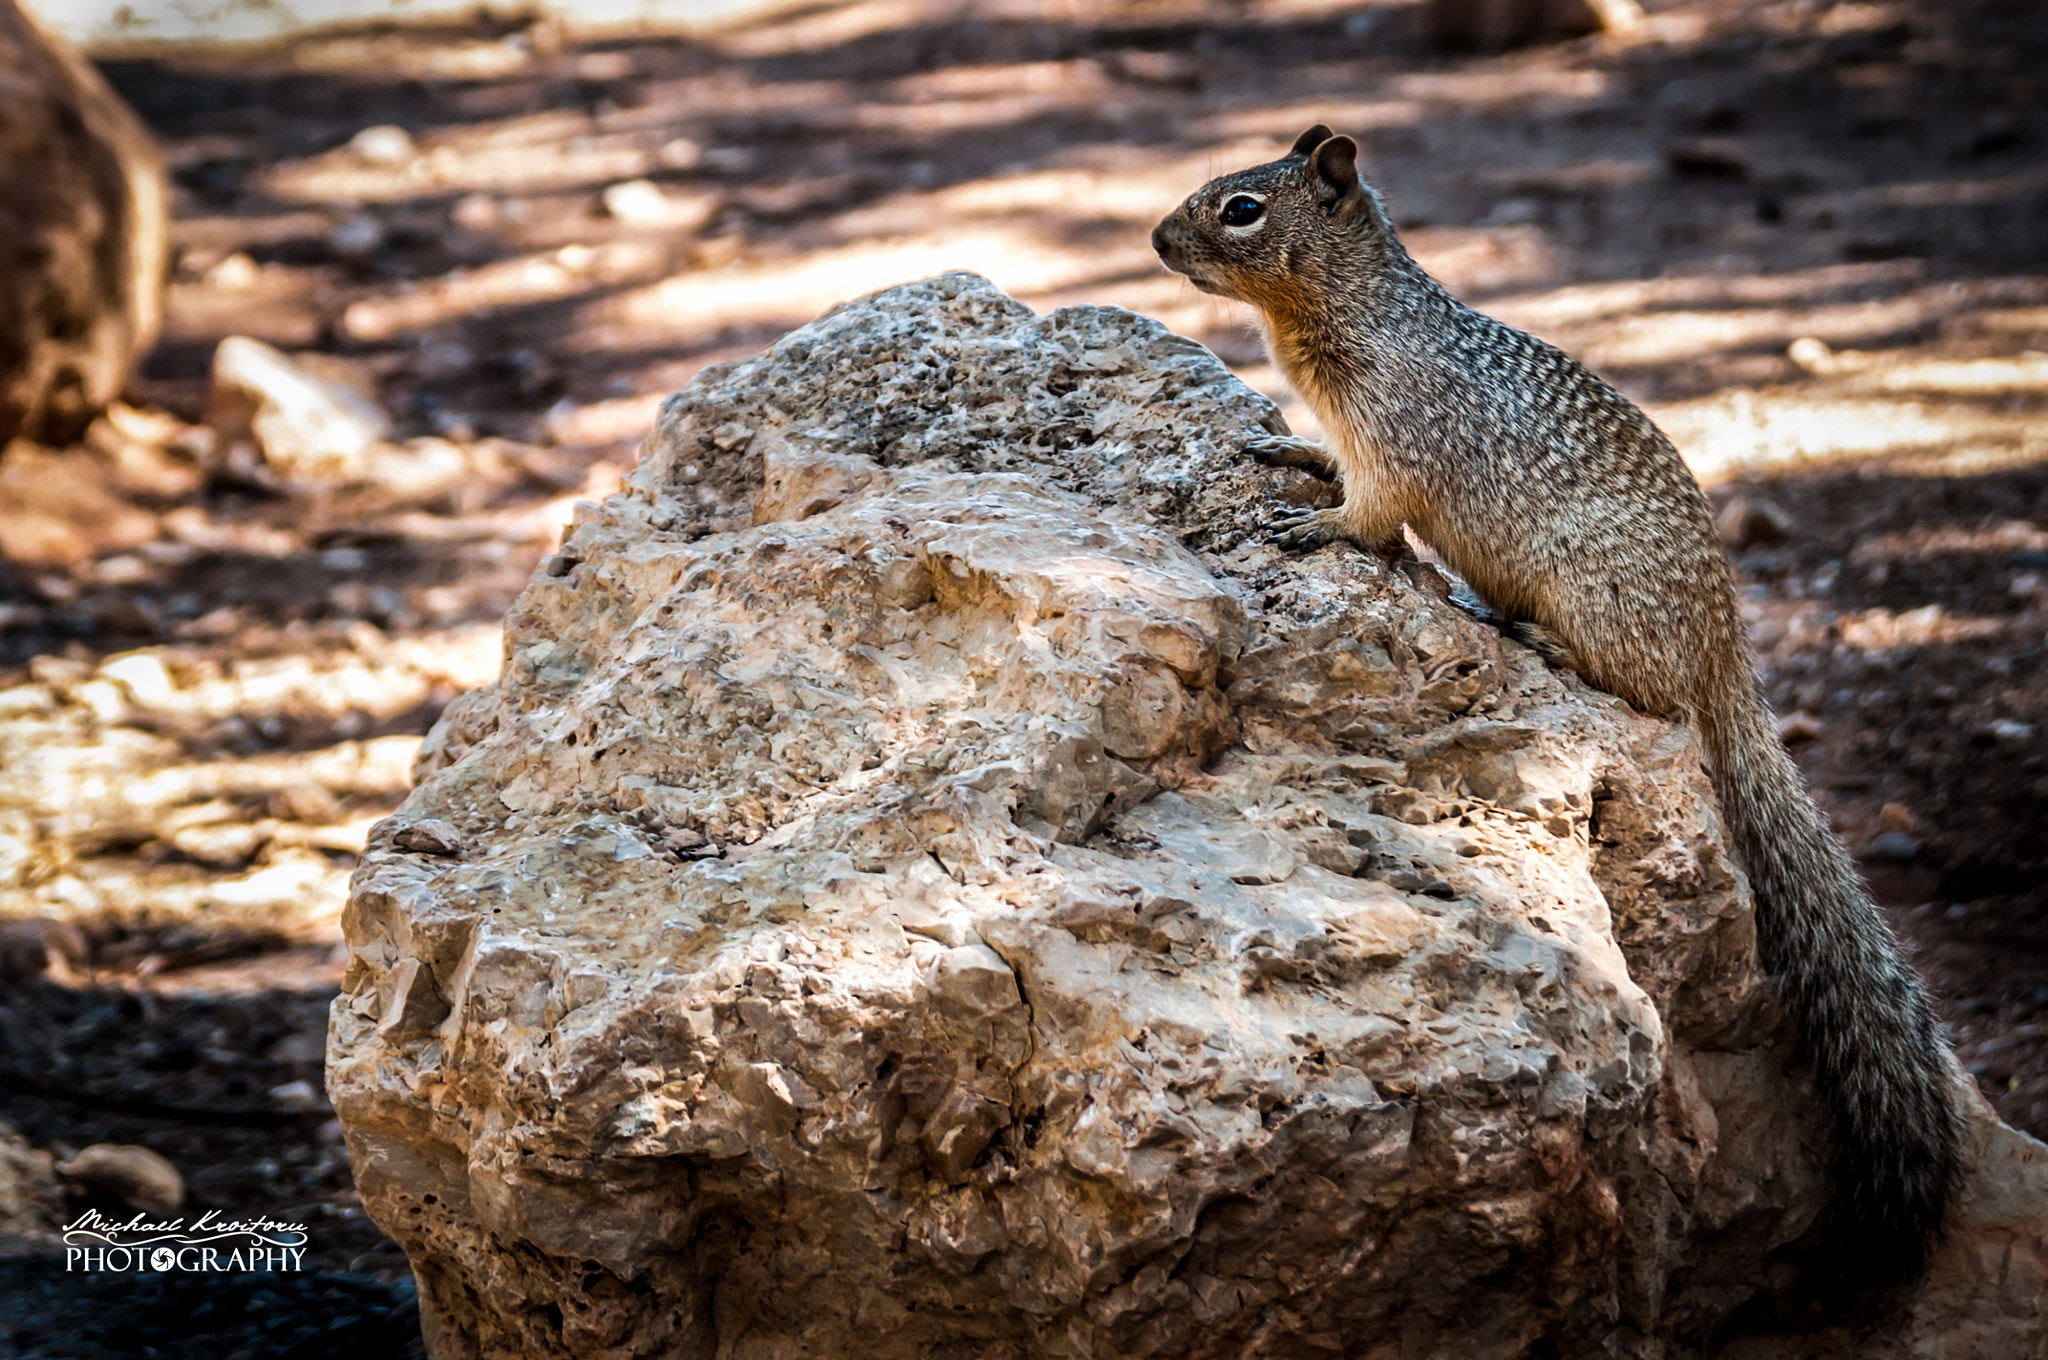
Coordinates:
[1240,210]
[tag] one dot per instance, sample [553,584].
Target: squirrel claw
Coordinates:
[1285,450]
[1302,529]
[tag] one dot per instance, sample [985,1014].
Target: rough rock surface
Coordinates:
[931,882]
[82,237]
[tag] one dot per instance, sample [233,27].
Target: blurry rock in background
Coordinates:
[29,1197]
[642,203]
[82,237]
[137,1177]
[35,945]
[309,428]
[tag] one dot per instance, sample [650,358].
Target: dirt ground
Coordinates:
[1811,238]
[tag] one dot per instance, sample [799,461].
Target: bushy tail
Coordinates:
[1884,1068]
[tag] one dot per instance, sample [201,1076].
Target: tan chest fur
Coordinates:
[1376,500]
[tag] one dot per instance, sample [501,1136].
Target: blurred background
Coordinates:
[324,315]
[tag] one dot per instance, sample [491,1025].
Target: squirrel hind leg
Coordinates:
[1286,450]
[1542,641]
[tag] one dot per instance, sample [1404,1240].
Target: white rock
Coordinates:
[384,144]
[311,430]
[642,203]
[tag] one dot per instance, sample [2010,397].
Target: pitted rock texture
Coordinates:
[931,882]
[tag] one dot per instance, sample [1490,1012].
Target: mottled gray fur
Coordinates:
[1572,516]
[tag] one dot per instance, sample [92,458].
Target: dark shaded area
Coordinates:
[193,1075]
[49,1314]
[1933,756]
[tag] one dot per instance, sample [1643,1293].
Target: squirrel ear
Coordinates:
[1310,140]
[1336,170]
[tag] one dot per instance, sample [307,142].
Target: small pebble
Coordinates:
[138,1177]
[356,238]
[430,837]
[477,212]
[384,144]
[1811,354]
[1749,520]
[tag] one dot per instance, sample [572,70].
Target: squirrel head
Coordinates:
[1284,235]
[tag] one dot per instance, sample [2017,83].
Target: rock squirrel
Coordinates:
[1573,517]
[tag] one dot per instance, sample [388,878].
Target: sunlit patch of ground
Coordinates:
[144,788]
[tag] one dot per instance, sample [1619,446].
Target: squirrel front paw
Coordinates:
[1285,450]
[1300,529]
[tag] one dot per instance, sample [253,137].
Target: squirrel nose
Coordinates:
[1160,241]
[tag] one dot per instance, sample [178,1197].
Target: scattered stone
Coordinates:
[429,837]
[1876,629]
[311,431]
[679,153]
[82,237]
[1749,520]
[234,273]
[1130,940]
[477,212]
[1812,354]
[300,1097]
[29,1195]
[33,946]
[386,144]
[643,203]
[1895,845]
[223,845]
[136,1176]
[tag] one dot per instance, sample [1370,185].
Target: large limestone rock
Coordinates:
[931,882]
[82,237]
